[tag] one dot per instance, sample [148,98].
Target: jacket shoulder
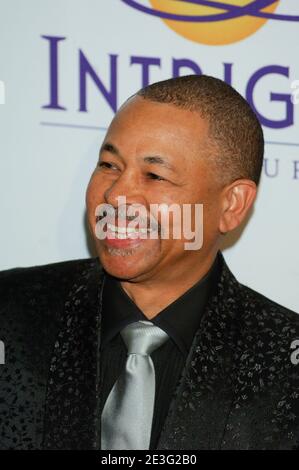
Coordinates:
[46,272]
[263,307]
[49,280]
[268,336]
[32,298]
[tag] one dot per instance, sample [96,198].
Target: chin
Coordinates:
[120,263]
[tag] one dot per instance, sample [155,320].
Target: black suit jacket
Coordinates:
[239,388]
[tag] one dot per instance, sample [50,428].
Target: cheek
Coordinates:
[92,199]
[94,192]
[209,197]
[211,217]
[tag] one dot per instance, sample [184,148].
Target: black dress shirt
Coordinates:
[180,320]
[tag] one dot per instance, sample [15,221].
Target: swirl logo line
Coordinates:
[232,11]
[195,18]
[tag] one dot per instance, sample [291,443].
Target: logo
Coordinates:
[213,22]
[135,224]
[295,354]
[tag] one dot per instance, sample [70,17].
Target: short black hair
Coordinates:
[235,133]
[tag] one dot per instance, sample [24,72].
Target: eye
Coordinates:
[106,165]
[153,176]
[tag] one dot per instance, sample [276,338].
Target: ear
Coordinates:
[237,198]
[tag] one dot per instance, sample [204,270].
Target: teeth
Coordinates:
[121,235]
[114,228]
[123,231]
[132,230]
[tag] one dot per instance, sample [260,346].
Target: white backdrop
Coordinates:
[47,155]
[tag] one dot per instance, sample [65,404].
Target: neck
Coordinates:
[153,295]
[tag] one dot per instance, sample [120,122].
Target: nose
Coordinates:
[127,186]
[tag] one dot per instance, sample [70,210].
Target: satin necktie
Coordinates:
[127,416]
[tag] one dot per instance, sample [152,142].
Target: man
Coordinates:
[218,368]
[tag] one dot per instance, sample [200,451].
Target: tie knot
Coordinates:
[143,337]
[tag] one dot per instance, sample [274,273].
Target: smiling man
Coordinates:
[154,344]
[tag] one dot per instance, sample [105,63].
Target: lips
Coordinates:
[123,235]
[125,230]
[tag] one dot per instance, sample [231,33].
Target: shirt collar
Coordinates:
[180,319]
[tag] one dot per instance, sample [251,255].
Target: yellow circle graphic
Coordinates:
[215,33]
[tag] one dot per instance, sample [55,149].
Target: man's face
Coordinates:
[153,154]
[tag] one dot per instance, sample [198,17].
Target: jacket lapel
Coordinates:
[71,415]
[201,403]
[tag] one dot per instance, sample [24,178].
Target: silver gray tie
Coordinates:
[128,412]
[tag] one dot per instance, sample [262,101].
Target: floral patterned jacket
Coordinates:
[239,388]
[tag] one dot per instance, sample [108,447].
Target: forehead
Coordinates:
[143,125]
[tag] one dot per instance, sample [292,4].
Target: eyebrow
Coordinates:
[107,147]
[157,160]
[152,159]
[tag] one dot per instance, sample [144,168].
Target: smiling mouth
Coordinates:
[127,232]
[120,228]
